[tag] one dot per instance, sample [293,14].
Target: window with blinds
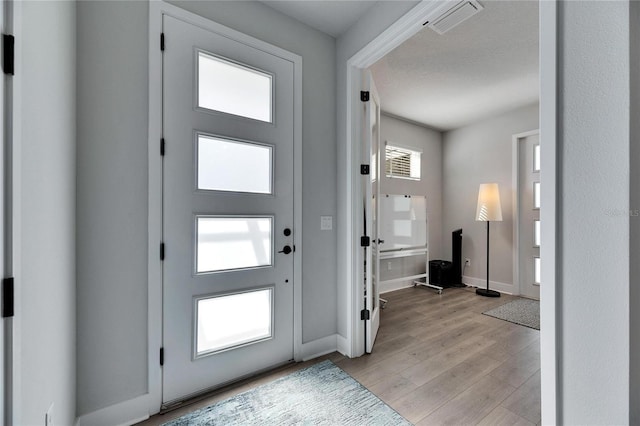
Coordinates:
[402,163]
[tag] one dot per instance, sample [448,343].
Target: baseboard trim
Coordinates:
[505,288]
[342,345]
[395,286]
[319,347]
[122,414]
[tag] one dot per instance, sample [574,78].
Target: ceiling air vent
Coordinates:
[454,16]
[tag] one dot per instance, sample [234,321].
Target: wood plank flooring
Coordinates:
[437,361]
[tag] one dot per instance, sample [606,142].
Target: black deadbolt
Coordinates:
[287,232]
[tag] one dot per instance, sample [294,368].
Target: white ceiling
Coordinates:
[330,17]
[485,66]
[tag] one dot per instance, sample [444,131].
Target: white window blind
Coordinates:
[402,162]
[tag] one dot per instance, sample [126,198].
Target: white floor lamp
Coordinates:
[488,210]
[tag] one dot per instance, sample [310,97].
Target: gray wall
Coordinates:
[475,154]
[112,184]
[428,141]
[593,137]
[45,269]
[593,261]
[112,202]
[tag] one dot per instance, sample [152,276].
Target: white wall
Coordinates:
[475,154]
[45,270]
[428,141]
[593,138]
[112,184]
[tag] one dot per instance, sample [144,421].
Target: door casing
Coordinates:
[153,399]
[515,182]
[350,273]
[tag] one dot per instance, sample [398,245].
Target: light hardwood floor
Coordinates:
[437,360]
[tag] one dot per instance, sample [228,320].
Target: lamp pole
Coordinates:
[488,256]
[486,292]
[488,209]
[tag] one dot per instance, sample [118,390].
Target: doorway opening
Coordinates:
[401,31]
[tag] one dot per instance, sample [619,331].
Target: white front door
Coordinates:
[371,155]
[228,114]
[529,212]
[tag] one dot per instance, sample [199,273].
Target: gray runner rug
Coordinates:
[520,311]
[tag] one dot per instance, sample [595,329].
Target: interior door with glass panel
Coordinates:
[529,211]
[372,195]
[227,210]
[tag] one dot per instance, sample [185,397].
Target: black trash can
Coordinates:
[440,272]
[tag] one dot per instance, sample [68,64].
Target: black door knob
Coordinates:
[286,250]
[287,232]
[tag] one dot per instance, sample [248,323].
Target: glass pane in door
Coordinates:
[536,158]
[536,195]
[234,166]
[232,88]
[231,320]
[225,243]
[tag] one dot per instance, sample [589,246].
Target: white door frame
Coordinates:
[515,200]
[401,30]
[156,10]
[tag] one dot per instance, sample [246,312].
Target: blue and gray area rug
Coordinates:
[322,394]
[520,311]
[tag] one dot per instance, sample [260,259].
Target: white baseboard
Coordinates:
[319,347]
[493,285]
[122,414]
[342,345]
[386,288]
[137,409]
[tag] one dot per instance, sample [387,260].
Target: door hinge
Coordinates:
[162,41]
[7,297]
[8,57]
[364,95]
[365,169]
[365,314]
[162,147]
[161,356]
[161,251]
[365,241]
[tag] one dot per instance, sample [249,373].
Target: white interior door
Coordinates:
[227,210]
[529,211]
[372,195]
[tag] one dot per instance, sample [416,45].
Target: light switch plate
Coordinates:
[326,223]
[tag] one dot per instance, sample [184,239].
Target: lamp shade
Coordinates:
[489,203]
